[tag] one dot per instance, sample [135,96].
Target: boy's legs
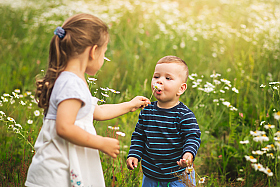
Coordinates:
[190,181]
[148,182]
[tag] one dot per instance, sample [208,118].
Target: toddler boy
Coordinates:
[167,136]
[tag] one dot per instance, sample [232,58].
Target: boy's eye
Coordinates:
[156,76]
[168,78]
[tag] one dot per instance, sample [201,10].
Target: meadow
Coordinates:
[232,49]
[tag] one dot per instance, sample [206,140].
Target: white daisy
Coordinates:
[36,112]
[201,180]
[277,115]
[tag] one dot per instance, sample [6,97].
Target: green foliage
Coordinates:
[233,41]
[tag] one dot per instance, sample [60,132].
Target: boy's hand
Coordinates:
[110,146]
[139,102]
[186,161]
[131,163]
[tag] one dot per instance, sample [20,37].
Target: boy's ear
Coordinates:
[92,52]
[182,89]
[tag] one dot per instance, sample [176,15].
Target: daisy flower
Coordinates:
[226,103]
[257,133]
[270,155]
[105,95]
[17,90]
[201,180]
[271,147]
[235,90]
[36,112]
[244,142]
[269,126]
[265,149]
[226,81]
[261,138]
[189,169]
[240,179]
[18,125]
[276,134]
[107,59]
[120,133]
[250,158]
[11,119]
[268,172]
[215,75]
[277,115]
[258,152]
[157,86]
[258,166]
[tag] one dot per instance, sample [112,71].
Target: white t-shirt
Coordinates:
[69,86]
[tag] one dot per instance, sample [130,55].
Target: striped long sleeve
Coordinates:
[161,137]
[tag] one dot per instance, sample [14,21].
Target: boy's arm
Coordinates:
[131,163]
[110,111]
[138,140]
[191,133]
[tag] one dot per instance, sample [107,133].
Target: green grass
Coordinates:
[239,40]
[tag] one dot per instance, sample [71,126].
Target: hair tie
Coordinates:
[60,32]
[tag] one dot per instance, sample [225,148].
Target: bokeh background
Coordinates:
[232,49]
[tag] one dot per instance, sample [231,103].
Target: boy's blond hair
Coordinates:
[175,59]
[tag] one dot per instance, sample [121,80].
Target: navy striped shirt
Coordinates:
[162,137]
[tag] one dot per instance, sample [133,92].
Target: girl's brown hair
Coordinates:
[81,31]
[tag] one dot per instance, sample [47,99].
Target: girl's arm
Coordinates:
[110,111]
[66,115]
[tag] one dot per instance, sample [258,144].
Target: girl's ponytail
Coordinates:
[76,34]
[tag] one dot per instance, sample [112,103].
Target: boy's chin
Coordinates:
[157,96]
[159,99]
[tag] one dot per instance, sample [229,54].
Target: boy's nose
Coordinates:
[159,82]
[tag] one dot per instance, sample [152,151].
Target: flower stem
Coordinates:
[152,94]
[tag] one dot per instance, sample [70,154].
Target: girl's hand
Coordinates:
[131,163]
[186,161]
[139,102]
[110,146]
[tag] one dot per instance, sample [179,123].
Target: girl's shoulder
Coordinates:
[67,76]
[71,80]
[69,85]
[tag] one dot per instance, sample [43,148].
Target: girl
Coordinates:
[67,146]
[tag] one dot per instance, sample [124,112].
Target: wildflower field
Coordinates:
[232,48]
